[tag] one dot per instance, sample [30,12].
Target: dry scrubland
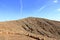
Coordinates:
[30,29]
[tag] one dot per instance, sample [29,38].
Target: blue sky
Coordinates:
[17,9]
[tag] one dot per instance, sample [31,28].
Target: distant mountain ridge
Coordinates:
[30,28]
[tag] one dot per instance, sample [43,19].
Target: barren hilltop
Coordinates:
[30,28]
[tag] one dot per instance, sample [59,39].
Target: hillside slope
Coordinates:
[30,29]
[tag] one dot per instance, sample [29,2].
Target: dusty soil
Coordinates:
[30,28]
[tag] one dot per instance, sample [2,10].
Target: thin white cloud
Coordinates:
[55,1]
[42,8]
[21,9]
[58,9]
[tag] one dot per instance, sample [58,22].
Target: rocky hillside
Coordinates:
[30,28]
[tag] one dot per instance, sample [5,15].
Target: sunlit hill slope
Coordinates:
[30,28]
